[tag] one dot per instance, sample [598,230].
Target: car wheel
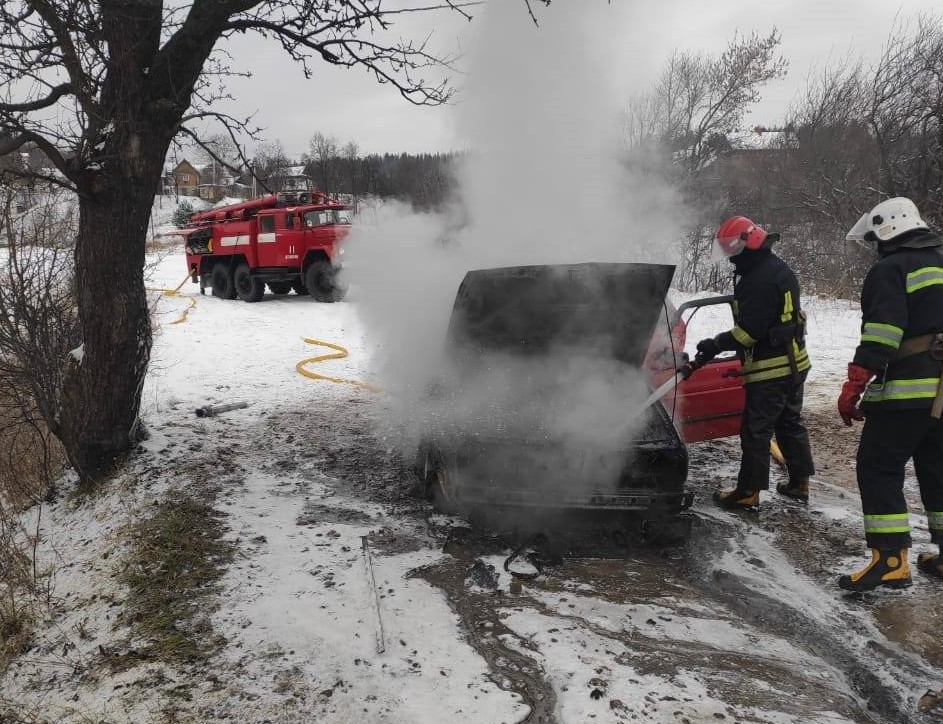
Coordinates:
[321,282]
[222,282]
[248,287]
[279,287]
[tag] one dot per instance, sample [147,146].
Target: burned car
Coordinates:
[538,414]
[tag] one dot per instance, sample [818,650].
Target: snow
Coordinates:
[733,627]
[295,607]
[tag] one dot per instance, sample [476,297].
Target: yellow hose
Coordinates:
[339,353]
[173,293]
[777,453]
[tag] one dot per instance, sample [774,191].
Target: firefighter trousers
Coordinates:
[773,407]
[889,439]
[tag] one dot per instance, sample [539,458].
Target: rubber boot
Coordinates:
[797,489]
[931,563]
[737,499]
[887,568]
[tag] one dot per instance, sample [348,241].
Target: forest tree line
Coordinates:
[424,180]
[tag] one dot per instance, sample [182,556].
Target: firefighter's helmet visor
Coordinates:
[858,231]
[726,247]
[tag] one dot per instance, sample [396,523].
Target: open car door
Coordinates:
[709,404]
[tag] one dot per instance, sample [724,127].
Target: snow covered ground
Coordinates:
[743,624]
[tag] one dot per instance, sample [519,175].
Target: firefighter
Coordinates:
[769,338]
[896,378]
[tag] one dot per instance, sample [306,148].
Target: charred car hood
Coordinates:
[607,309]
[547,368]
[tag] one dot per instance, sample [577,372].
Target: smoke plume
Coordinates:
[545,180]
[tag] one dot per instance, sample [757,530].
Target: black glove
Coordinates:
[707,349]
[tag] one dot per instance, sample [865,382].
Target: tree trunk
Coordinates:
[144,93]
[98,419]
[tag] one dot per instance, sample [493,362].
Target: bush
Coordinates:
[38,327]
[181,217]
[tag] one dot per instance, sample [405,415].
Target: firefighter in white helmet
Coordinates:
[894,385]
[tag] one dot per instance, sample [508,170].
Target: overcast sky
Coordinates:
[350,105]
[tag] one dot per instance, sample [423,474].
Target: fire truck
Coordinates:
[288,241]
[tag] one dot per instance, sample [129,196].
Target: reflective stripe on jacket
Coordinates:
[766,296]
[902,298]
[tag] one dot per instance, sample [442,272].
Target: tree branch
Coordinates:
[54,95]
[70,56]
[52,153]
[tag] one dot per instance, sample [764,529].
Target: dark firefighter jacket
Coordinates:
[766,313]
[902,298]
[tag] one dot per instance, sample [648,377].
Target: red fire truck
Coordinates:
[286,241]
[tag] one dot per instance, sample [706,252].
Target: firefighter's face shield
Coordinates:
[860,231]
[726,247]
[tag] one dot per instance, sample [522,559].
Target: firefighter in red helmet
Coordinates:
[896,377]
[769,338]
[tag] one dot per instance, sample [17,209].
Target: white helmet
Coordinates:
[886,221]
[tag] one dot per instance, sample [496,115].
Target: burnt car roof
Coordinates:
[609,309]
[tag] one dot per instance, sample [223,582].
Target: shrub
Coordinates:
[181,217]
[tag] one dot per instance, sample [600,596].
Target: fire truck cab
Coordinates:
[288,241]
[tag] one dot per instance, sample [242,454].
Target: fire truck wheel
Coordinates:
[279,287]
[321,281]
[340,288]
[248,287]
[221,281]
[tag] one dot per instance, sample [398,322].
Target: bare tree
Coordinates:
[269,165]
[351,156]
[864,134]
[905,114]
[322,159]
[681,127]
[38,328]
[220,156]
[698,99]
[102,88]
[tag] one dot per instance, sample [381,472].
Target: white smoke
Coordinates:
[545,181]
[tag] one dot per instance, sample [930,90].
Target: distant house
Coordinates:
[186,178]
[30,174]
[226,188]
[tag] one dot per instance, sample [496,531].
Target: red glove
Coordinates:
[851,391]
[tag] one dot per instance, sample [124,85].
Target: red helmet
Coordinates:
[738,233]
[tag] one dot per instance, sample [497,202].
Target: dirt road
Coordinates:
[744,622]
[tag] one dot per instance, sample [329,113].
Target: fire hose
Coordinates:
[339,353]
[683,373]
[174,293]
